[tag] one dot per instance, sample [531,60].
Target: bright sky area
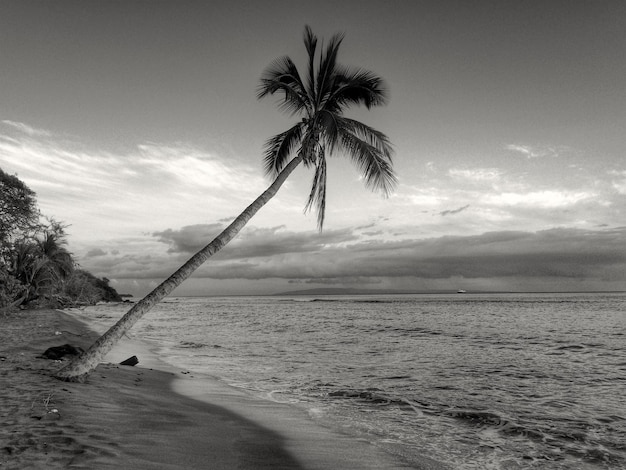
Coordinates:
[137,124]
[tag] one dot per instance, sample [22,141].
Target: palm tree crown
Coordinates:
[320,99]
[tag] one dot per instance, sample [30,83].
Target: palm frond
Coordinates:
[279,148]
[366,133]
[329,128]
[374,164]
[317,197]
[357,87]
[310,43]
[326,71]
[283,76]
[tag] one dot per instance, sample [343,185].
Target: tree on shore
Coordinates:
[40,264]
[36,268]
[18,210]
[319,99]
[86,289]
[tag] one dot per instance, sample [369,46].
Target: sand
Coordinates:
[150,416]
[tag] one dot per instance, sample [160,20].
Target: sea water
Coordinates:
[499,381]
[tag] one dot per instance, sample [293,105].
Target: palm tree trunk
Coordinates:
[78,369]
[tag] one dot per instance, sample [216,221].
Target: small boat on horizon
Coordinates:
[461,291]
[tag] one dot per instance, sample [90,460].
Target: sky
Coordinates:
[137,125]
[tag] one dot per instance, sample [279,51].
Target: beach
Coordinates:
[151,416]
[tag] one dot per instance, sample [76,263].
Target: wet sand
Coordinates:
[150,416]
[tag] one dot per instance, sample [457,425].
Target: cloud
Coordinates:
[454,211]
[565,257]
[619,181]
[26,129]
[530,151]
[137,214]
[476,174]
[114,194]
[539,199]
[253,242]
[192,167]
[420,196]
[563,253]
[188,239]
[374,234]
[95,252]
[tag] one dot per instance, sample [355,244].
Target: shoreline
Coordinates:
[126,417]
[151,415]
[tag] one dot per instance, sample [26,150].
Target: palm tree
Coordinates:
[59,263]
[41,264]
[319,99]
[27,266]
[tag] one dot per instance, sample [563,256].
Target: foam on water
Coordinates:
[487,382]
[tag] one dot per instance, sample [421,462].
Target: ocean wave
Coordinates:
[194,345]
[345,301]
[478,417]
[375,396]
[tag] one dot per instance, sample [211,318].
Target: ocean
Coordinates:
[493,381]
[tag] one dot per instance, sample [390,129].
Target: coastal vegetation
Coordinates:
[318,98]
[36,267]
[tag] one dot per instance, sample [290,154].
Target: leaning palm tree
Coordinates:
[319,99]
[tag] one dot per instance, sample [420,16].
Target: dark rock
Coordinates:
[52,415]
[57,352]
[131,361]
